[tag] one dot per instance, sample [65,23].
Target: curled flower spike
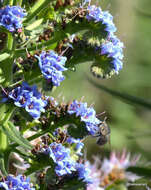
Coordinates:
[97,15]
[29,98]
[11,18]
[87,115]
[18,182]
[52,66]
[113,48]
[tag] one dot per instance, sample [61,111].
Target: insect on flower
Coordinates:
[103,133]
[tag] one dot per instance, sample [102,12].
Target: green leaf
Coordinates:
[2,166]
[34,25]
[38,6]
[140,171]
[2,78]
[123,96]
[40,162]
[116,187]
[4,56]
[17,133]
[12,136]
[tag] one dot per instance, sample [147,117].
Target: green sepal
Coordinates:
[39,162]
[73,183]
[102,67]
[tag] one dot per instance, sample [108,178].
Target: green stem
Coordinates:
[19,2]
[3,142]
[2,166]
[9,41]
[11,2]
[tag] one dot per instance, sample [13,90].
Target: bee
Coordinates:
[103,133]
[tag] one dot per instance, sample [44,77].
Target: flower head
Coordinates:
[29,98]
[61,157]
[11,17]
[96,14]
[107,172]
[83,173]
[52,66]
[113,48]
[87,115]
[19,182]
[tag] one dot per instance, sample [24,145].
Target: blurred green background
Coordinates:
[130,124]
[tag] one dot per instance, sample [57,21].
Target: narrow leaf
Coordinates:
[17,133]
[36,9]
[12,136]
[4,56]
[123,96]
[140,171]
[34,24]
[2,166]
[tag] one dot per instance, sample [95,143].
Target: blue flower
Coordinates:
[83,173]
[79,144]
[11,17]
[97,15]
[87,115]
[94,13]
[19,182]
[113,48]
[61,157]
[52,66]
[29,98]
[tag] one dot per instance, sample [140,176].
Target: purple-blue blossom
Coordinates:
[64,163]
[83,173]
[52,65]
[29,98]
[87,115]
[113,48]
[19,182]
[61,157]
[97,15]
[78,143]
[11,17]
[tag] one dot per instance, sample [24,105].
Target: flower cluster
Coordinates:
[61,157]
[112,47]
[110,170]
[87,115]
[78,143]
[19,182]
[83,173]
[52,66]
[11,17]
[97,15]
[65,164]
[29,98]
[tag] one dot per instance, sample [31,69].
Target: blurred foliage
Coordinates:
[130,125]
